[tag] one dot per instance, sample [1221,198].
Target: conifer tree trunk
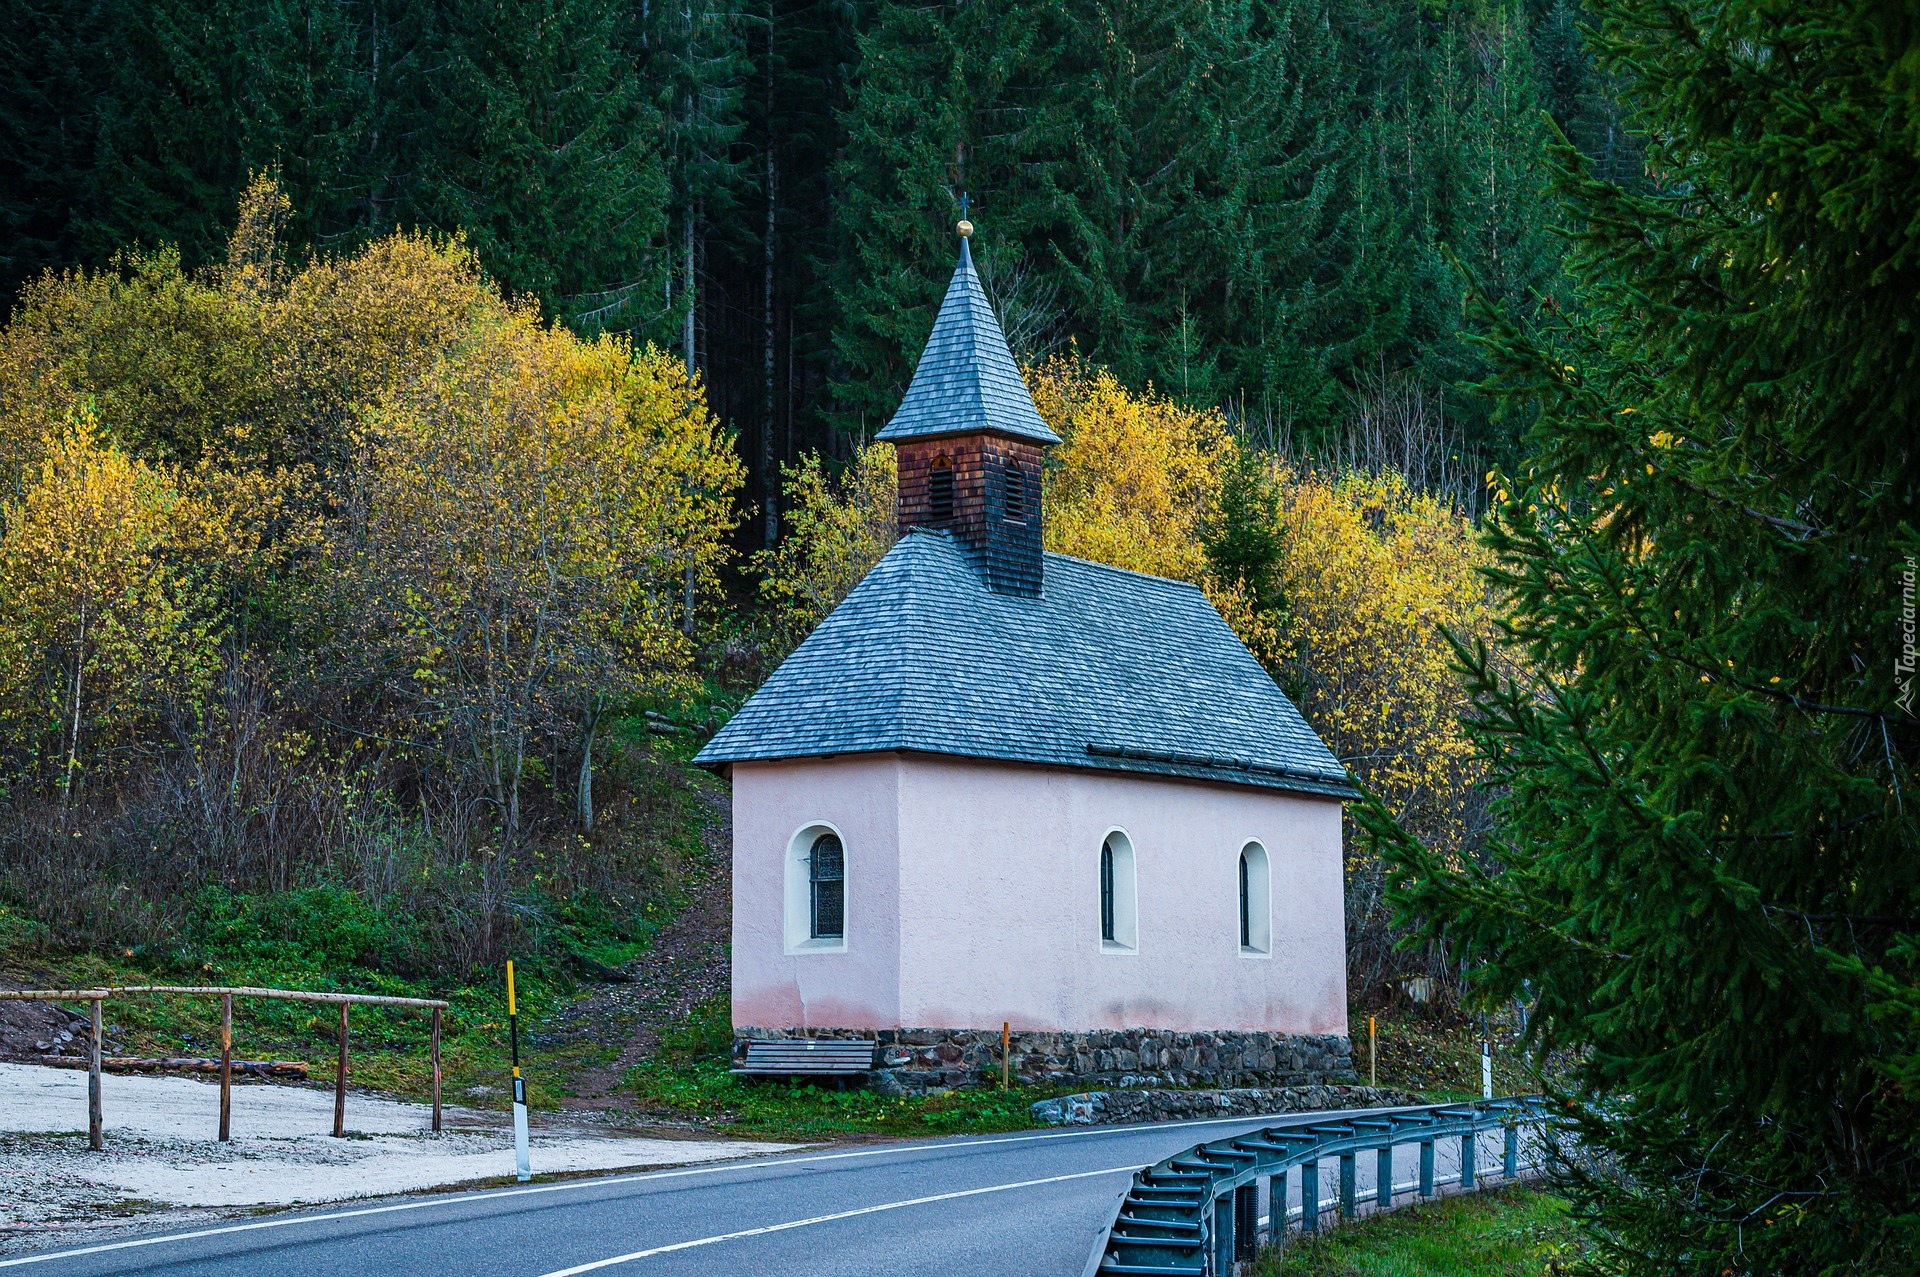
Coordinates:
[693,296]
[769,476]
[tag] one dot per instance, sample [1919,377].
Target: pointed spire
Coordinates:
[966,381]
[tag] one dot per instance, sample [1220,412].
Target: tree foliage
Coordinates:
[1705,823]
[514,548]
[382,541]
[837,530]
[1241,204]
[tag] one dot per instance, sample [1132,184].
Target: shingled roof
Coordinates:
[966,380]
[1108,670]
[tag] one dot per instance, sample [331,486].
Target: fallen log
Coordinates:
[294,1069]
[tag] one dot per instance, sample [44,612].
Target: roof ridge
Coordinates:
[1119,571]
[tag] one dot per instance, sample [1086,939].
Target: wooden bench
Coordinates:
[806,1057]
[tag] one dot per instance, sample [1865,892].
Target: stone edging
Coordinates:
[1117,1108]
[919,1061]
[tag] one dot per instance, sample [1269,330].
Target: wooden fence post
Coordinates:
[340,1080]
[436,1069]
[226,1067]
[94,1123]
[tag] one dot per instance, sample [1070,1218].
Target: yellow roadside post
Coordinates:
[521,1166]
[1373,1053]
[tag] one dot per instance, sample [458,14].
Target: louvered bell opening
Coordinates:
[1015,505]
[940,491]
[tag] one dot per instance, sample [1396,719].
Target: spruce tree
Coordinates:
[548,155]
[1704,763]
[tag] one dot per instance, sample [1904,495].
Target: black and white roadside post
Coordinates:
[1486,1058]
[521,1165]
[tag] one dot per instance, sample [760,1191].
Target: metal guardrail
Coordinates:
[1196,1213]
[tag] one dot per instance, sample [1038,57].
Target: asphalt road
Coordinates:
[1008,1205]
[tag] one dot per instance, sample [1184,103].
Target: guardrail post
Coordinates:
[436,1070]
[1310,1197]
[1426,1168]
[1348,1186]
[1467,1142]
[1510,1159]
[1383,1177]
[1246,1221]
[226,1067]
[1223,1235]
[340,1081]
[1276,1207]
[95,1136]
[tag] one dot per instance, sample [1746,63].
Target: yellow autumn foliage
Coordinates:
[108,618]
[1136,480]
[836,529]
[1376,575]
[494,493]
[525,517]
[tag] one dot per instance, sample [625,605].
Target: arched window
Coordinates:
[816,890]
[1015,505]
[1256,901]
[1119,915]
[827,885]
[1246,937]
[940,489]
[1106,891]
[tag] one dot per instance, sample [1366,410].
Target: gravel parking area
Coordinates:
[162,1158]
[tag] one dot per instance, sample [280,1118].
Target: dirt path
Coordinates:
[687,964]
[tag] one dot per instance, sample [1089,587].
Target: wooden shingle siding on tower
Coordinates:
[1010,548]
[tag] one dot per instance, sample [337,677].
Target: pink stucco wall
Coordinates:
[973,899]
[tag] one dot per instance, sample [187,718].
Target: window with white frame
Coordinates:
[1119,912]
[1256,901]
[827,883]
[816,890]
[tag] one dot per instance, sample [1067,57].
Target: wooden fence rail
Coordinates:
[226,994]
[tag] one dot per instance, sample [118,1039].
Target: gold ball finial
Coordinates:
[965,228]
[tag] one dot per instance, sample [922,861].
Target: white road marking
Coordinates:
[489,1195]
[628,1258]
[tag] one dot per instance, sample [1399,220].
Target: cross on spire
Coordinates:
[965,202]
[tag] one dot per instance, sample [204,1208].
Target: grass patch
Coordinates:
[688,1078]
[1515,1232]
[389,1046]
[1439,1056]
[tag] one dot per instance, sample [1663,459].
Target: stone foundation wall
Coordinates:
[916,1061]
[1114,1108]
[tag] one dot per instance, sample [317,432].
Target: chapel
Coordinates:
[1002,790]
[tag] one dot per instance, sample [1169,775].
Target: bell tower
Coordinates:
[969,440]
